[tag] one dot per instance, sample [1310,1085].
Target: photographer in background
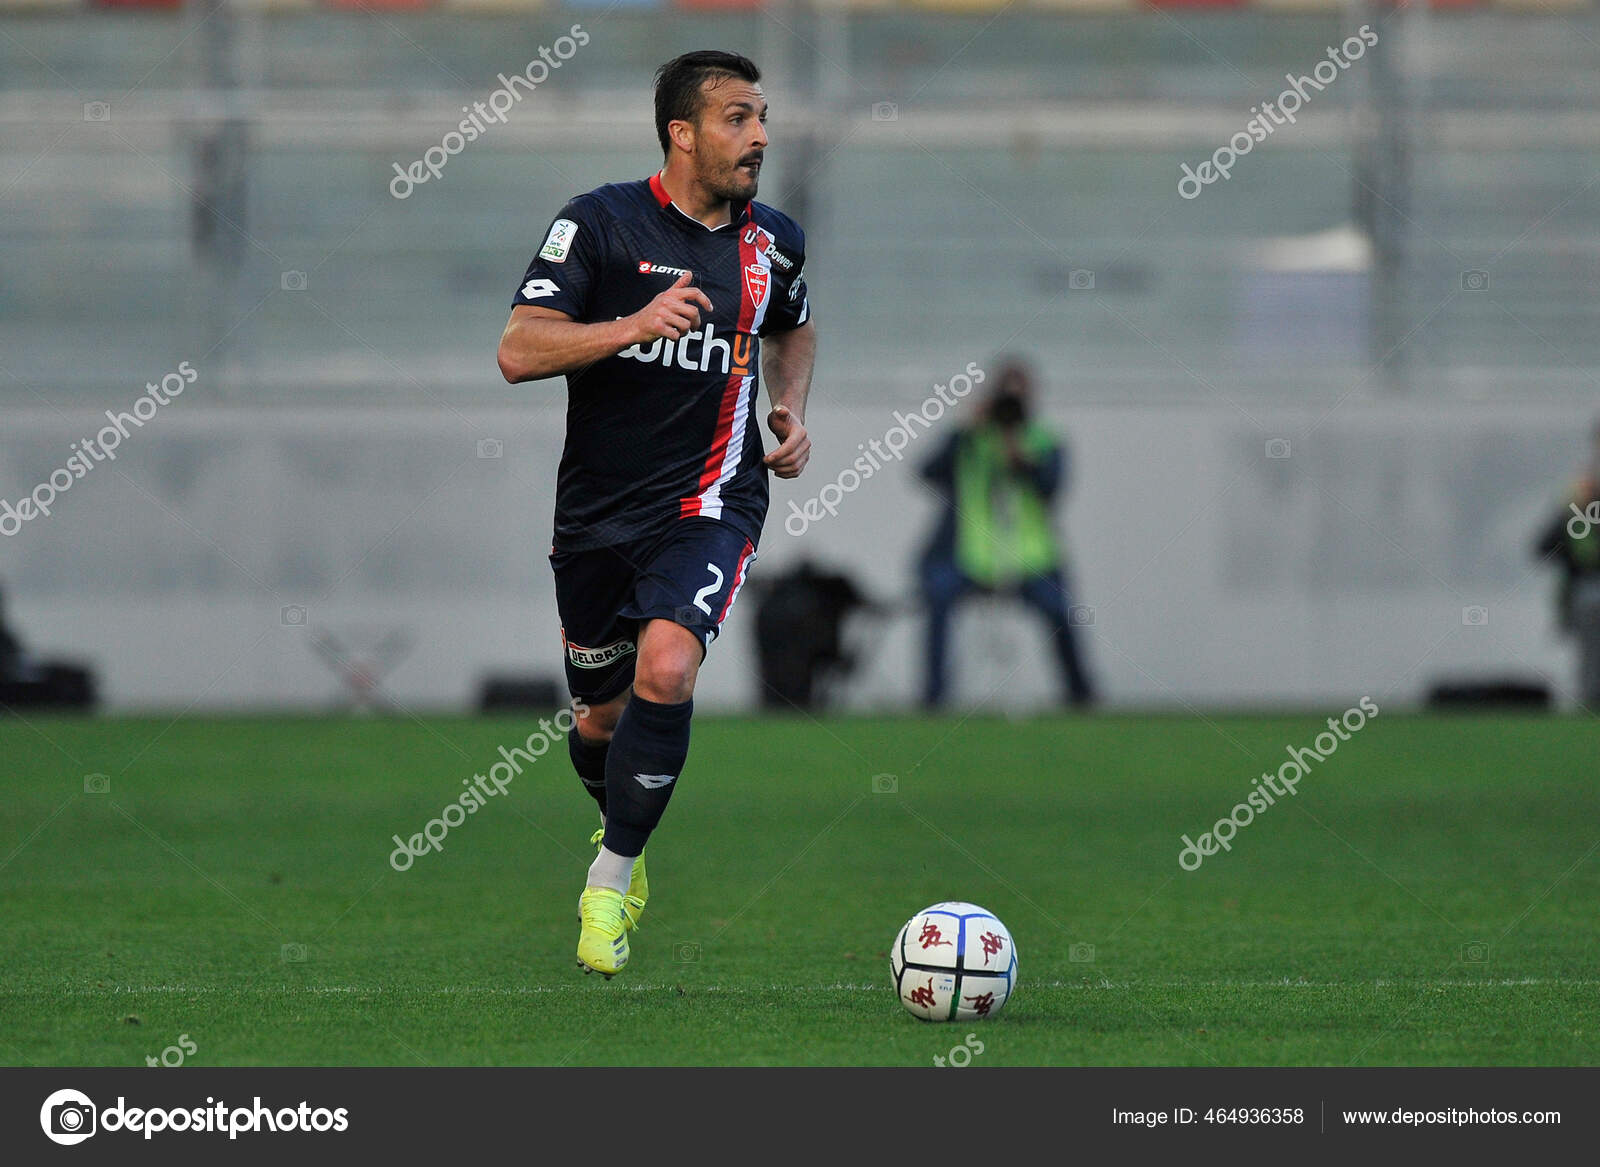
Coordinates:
[13,661]
[999,480]
[1572,543]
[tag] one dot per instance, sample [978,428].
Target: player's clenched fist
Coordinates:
[673,313]
[794,449]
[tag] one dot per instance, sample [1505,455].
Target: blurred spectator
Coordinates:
[999,480]
[800,620]
[1572,542]
[12,658]
[26,681]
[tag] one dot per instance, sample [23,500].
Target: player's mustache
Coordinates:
[749,158]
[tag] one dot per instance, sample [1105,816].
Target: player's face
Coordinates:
[731,138]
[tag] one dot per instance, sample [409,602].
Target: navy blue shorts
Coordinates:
[689,573]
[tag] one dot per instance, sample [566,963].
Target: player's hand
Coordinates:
[794,448]
[673,313]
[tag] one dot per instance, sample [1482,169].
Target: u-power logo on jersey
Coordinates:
[693,353]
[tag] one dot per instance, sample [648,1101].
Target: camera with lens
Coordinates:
[1008,409]
[72,1118]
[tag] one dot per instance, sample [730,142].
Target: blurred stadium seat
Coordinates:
[956,161]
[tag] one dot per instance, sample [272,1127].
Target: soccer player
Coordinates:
[663,301]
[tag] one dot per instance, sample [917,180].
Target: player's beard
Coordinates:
[731,182]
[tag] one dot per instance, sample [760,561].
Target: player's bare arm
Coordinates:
[786,362]
[542,342]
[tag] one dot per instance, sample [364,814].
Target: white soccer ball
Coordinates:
[954,962]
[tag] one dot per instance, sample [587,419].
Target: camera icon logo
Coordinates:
[1474,615]
[491,448]
[1080,953]
[294,281]
[1278,448]
[1080,614]
[1474,281]
[96,111]
[885,111]
[1080,280]
[96,784]
[293,616]
[1475,952]
[686,953]
[885,784]
[292,954]
[68,1117]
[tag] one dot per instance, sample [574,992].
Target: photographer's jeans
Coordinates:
[1586,625]
[944,586]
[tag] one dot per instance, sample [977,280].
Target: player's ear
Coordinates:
[682,135]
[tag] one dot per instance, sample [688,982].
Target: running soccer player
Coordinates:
[663,301]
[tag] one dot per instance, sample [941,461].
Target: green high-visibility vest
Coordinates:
[1003,529]
[1583,553]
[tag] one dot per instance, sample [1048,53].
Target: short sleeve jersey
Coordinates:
[665,430]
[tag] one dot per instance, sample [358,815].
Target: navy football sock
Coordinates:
[589,760]
[647,754]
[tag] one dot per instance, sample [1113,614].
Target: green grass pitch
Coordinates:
[1428,897]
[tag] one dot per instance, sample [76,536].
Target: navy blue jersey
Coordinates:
[665,430]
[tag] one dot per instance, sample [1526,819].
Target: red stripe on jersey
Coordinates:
[659,191]
[730,393]
[738,580]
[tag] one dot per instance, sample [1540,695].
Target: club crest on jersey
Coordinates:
[757,281]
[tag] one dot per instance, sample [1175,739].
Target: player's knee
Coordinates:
[667,682]
[669,659]
[597,723]
[666,670]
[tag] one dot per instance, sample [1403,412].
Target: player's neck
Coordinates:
[694,200]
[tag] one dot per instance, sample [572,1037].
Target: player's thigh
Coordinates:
[592,589]
[692,578]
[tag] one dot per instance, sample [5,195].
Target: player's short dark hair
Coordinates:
[678,82]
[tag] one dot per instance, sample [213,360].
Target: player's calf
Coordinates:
[589,741]
[646,756]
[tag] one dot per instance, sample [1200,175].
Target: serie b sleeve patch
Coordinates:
[559,242]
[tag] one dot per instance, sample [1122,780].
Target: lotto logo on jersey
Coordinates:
[697,352]
[594,658]
[647,268]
